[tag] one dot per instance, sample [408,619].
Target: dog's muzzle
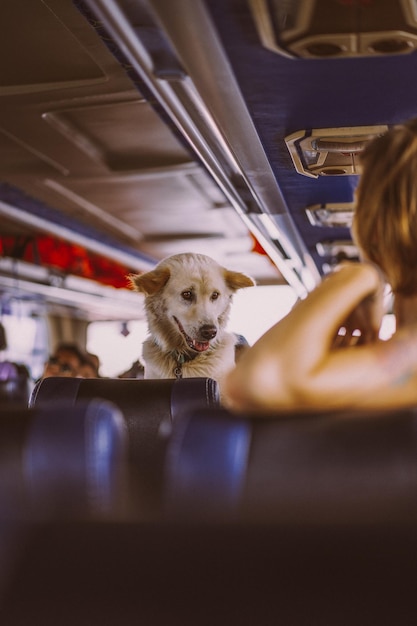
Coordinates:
[208,332]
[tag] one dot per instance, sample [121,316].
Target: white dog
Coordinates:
[187,303]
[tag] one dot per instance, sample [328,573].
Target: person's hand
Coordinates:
[363,324]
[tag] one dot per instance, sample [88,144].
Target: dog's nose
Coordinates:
[208,331]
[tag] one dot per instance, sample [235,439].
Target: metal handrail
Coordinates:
[207,108]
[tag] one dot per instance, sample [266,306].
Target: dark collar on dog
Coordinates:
[181,358]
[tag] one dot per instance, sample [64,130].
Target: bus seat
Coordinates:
[62,461]
[14,384]
[149,408]
[358,467]
[197,575]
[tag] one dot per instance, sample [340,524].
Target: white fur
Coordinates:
[197,292]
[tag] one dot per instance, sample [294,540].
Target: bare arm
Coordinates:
[297,364]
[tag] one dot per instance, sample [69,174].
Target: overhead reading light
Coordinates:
[322,29]
[337,250]
[330,151]
[334,215]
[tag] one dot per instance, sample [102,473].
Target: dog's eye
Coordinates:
[215,295]
[187,295]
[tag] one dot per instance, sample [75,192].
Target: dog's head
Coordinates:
[187,300]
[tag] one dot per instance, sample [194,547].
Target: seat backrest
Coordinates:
[62,461]
[149,408]
[345,468]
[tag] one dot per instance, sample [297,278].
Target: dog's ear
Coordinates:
[237,280]
[150,282]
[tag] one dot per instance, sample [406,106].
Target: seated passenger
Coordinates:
[66,361]
[303,362]
[90,367]
[15,383]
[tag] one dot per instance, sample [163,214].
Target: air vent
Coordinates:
[331,215]
[322,29]
[330,151]
[338,250]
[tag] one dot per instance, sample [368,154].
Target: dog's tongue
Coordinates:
[201,346]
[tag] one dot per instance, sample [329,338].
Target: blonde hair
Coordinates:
[385,220]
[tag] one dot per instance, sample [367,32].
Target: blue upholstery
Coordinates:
[149,408]
[62,461]
[206,463]
[343,468]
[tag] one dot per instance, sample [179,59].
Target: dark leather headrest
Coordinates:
[168,397]
[145,404]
